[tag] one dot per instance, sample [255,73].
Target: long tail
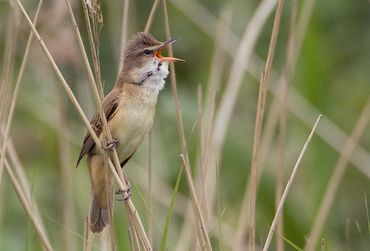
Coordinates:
[102,194]
[99,216]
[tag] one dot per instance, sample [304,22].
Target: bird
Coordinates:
[129,109]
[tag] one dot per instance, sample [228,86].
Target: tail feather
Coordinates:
[99,217]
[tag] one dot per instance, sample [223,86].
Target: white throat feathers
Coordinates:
[151,75]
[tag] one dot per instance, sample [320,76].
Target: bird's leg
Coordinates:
[110,145]
[126,193]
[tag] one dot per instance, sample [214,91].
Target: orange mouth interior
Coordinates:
[166,59]
[158,54]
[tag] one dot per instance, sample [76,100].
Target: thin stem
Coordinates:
[150,190]
[288,185]
[87,245]
[258,127]
[180,124]
[203,181]
[150,19]
[123,33]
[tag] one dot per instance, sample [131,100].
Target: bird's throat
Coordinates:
[151,76]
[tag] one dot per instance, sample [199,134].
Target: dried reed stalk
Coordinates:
[258,127]
[150,189]
[336,178]
[180,124]
[150,19]
[123,33]
[202,149]
[87,246]
[288,185]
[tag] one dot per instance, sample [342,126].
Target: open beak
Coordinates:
[166,59]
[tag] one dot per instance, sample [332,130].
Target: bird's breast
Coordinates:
[130,125]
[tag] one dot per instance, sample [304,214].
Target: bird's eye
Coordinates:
[148,52]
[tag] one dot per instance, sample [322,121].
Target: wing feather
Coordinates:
[110,104]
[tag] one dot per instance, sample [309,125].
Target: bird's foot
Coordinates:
[110,145]
[126,193]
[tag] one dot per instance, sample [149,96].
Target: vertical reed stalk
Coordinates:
[123,33]
[150,190]
[153,11]
[87,245]
[203,181]
[180,124]
[258,127]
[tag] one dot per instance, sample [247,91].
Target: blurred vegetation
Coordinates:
[331,74]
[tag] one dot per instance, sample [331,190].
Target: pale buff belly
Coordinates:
[129,126]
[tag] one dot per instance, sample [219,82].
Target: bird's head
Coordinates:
[143,63]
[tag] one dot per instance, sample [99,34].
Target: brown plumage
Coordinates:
[129,109]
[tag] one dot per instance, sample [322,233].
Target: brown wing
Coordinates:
[110,104]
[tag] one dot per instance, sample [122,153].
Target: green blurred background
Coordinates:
[331,76]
